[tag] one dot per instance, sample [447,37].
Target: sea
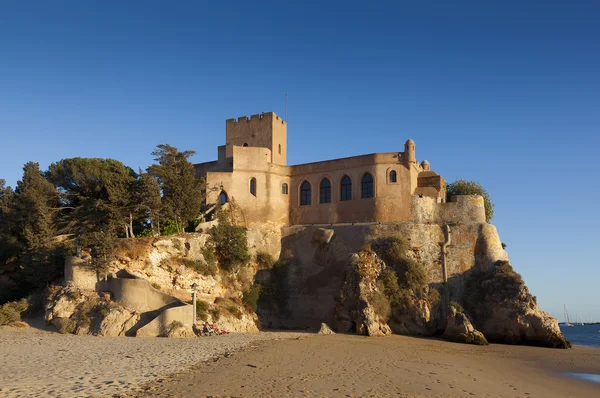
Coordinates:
[584,335]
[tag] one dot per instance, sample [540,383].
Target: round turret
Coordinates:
[425,165]
[409,151]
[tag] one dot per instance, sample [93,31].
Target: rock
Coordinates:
[505,312]
[460,330]
[323,235]
[355,311]
[116,323]
[325,329]
[180,332]
[415,319]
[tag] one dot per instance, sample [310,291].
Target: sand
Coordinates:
[36,363]
[353,366]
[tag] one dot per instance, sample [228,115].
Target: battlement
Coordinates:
[270,116]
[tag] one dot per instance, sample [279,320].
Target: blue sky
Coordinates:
[503,92]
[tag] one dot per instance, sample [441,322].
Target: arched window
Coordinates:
[253,186]
[346,189]
[223,198]
[284,188]
[245,144]
[325,191]
[280,149]
[393,176]
[305,194]
[366,190]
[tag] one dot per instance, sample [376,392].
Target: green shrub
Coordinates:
[433,297]
[156,286]
[250,297]
[12,311]
[201,267]
[208,252]
[230,244]
[145,233]
[380,302]
[235,311]
[463,187]
[169,228]
[410,274]
[264,260]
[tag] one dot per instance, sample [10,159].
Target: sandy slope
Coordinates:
[36,363]
[352,366]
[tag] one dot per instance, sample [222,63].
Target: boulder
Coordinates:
[180,332]
[117,322]
[325,330]
[460,330]
[505,312]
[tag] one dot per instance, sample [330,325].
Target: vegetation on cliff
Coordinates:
[92,202]
[463,187]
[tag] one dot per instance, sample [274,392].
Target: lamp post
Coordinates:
[194,287]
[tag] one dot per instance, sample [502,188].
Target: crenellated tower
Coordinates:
[265,130]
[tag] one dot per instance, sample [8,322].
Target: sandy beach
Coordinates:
[35,363]
[353,366]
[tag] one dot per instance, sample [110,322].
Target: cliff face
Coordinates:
[326,282]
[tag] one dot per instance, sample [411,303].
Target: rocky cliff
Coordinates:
[337,275]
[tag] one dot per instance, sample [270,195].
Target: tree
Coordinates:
[463,187]
[181,191]
[147,201]
[34,211]
[96,201]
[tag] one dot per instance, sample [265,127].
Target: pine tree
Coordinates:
[182,194]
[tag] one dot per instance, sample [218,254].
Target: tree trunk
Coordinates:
[131,225]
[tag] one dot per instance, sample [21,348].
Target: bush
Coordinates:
[463,187]
[380,302]
[230,244]
[201,267]
[145,233]
[208,252]
[12,311]
[169,228]
[264,260]
[156,286]
[235,311]
[250,297]
[201,309]
[410,274]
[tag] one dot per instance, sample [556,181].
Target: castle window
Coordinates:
[346,189]
[393,176]
[222,198]
[367,186]
[284,188]
[325,191]
[280,149]
[253,186]
[305,194]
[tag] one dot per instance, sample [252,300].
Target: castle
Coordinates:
[252,170]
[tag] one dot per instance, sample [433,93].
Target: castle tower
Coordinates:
[266,130]
[409,152]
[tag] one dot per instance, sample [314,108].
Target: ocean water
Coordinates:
[585,335]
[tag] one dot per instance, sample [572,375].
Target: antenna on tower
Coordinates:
[286,106]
